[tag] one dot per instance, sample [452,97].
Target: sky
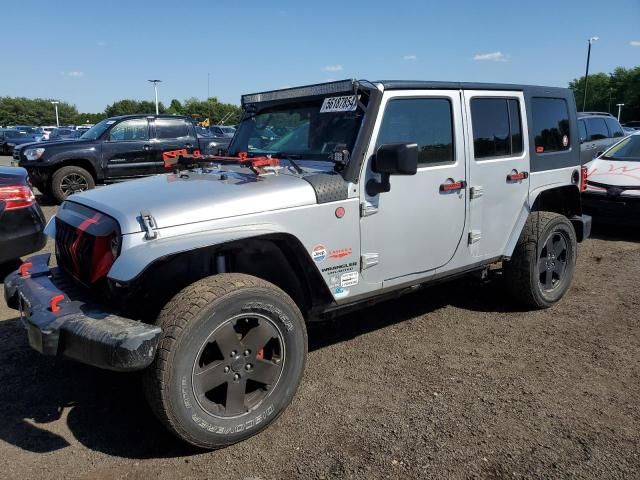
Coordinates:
[93,53]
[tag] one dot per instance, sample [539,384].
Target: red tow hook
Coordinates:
[24,269]
[53,303]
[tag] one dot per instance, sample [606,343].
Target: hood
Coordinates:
[188,197]
[614,172]
[19,141]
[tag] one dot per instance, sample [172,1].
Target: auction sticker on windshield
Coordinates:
[339,104]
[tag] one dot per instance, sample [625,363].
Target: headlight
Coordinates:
[33,153]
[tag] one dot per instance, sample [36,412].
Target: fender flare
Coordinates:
[135,260]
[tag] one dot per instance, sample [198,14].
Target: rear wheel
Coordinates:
[541,268]
[69,180]
[230,359]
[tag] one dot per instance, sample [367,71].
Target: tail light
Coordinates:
[16,196]
[583,178]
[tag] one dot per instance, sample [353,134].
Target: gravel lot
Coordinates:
[448,382]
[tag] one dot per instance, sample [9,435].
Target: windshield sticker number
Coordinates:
[339,104]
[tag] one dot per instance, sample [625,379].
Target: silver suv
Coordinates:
[205,278]
[598,131]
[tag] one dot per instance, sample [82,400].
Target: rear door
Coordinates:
[127,150]
[499,168]
[171,134]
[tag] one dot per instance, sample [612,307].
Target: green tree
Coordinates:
[130,107]
[175,107]
[604,91]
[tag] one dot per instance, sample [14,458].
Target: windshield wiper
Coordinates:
[290,158]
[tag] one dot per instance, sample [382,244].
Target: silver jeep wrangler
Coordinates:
[330,196]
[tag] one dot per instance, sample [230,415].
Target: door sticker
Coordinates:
[349,279]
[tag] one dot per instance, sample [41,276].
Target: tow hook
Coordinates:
[149,225]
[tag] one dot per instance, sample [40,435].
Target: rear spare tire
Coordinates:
[542,265]
[229,361]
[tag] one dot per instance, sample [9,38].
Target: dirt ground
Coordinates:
[448,382]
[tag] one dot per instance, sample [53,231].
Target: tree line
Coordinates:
[605,90]
[40,111]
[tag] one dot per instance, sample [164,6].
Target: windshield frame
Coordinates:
[302,105]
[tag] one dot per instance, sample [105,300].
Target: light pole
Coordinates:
[155,89]
[620,105]
[586,75]
[55,104]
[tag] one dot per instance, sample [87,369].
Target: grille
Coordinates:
[74,250]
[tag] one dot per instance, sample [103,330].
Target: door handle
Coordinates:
[515,176]
[188,145]
[451,186]
[146,147]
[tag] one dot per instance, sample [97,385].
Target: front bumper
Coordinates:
[80,330]
[621,208]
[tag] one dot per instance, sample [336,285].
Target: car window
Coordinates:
[597,128]
[582,130]
[171,128]
[615,130]
[627,149]
[128,130]
[497,127]
[550,124]
[425,121]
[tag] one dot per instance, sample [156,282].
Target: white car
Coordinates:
[46,131]
[613,182]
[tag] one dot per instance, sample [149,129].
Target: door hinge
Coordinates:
[474,236]
[369,260]
[367,209]
[477,191]
[149,224]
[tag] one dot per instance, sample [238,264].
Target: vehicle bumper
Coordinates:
[621,209]
[582,226]
[79,330]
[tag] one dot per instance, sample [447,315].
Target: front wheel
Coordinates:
[69,180]
[230,359]
[542,265]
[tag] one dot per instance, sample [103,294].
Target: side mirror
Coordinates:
[392,159]
[598,154]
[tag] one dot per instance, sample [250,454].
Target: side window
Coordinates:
[550,124]
[615,130]
[597,128]
[582,131]
[497,127]
[425,121]
[135,129]
[168,128]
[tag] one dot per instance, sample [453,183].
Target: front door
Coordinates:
[171,134]
[498,169]
[417,226]
[127,151]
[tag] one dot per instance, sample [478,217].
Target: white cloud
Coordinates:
[491,57]
[73,74]
[333,68]
[410,57]
[635,43]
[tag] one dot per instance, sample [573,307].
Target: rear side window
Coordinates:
[550,124]
[135,129]
[425,121]
[597,128]
[615,130]
[497,127]
[170,128]
[582,131]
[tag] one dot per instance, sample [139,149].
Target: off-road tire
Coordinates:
[188,323]
[522,273]
[57,189]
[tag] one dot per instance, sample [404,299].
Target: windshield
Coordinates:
[15,134]
[98,129]
[627,150]
[297,129]
[230,130]
[203,132]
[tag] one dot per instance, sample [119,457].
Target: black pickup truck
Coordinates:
[113,150]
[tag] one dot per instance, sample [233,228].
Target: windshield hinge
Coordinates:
[367,208]
[148,224]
